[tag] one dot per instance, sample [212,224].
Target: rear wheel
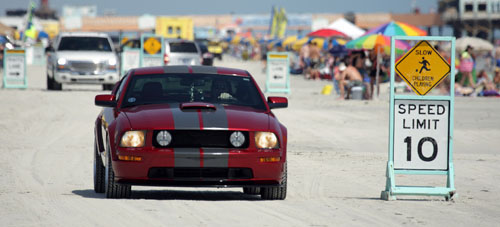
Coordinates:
[277,192]
[99,171]
[113,189]
[251,190]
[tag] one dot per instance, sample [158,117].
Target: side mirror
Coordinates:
[277,102]
[105,100]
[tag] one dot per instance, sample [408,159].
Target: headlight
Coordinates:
[132,139]
[112,61]
[61,61]
[266,140]
[163,138]
[237,139]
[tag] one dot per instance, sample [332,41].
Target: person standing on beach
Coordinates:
[466,67]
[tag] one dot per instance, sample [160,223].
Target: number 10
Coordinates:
[419,148]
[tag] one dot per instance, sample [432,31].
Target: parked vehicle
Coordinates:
[181,52]
[82,58]
[208,58]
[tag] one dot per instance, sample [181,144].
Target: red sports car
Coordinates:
[189,126]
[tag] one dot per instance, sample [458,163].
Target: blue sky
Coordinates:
[166,7]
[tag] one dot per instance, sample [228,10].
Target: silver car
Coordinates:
[181,52]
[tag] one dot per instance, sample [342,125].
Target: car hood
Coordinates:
[171,116]
[98,56]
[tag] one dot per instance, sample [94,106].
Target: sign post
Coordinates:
[278,73]
[151,50]
[420,126]
[130,58]
[14,72]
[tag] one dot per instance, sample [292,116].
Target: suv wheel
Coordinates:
[107,87]
[49,83]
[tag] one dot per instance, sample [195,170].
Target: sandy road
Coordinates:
[337,155]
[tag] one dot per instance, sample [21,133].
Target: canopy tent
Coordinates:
[347,28]
[477,43]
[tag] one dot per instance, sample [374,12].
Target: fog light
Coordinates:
[270,159]
[129,158]
[237,139]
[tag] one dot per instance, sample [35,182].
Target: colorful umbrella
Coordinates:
[288,40]
[397,28]
[321,42]
[378,42]
[326,32]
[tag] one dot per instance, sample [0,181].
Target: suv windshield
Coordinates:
[180,88]
[84,43]
[183,47]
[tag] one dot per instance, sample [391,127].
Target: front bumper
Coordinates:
[71,77]
[187,167]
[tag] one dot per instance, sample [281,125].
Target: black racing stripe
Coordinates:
[186,157]
[185,119]
[215,119]
[204,69]
[215,157]
[176,69]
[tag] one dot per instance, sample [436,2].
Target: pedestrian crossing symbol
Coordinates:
[152,46]
[422,68]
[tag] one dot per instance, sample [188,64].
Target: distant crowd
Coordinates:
[355,71]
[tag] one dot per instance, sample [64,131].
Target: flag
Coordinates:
[283,20]
[274,22]
[30,29]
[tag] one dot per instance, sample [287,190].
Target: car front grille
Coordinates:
[200,138]
[86,66]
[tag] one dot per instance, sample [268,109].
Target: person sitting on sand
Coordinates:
[484,86]
[350,77]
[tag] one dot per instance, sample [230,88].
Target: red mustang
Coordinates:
[189,126]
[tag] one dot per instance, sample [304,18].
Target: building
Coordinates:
[477,18]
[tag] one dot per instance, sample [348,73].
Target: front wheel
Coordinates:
[113,189]
[277,192]
[107,87]
[99,171]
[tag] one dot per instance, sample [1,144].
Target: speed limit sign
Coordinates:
[421,134]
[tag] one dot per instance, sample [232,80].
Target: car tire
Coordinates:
[113,189]
[107,87]
[49,83]
[277,192]
[99,171]
[251,190]
[55,85]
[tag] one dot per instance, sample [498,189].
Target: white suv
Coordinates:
[82,58]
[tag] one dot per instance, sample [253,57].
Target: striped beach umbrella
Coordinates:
[397,28]
[378,42]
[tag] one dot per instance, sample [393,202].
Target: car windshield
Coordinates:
[84,43]
[180,88]
[183,47]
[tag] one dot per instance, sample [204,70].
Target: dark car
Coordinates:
[208,58]
[189,126]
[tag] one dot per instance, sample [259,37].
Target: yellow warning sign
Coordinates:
[422,68]
[152,45]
